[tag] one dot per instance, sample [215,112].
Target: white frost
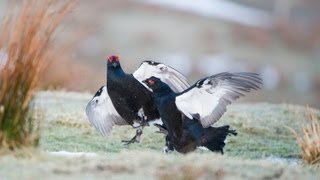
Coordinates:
[73,154]
[280,160]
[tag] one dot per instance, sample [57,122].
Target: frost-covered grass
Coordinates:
[262,129]
[263,142]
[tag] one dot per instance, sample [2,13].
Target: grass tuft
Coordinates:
[27,46]
[309,139]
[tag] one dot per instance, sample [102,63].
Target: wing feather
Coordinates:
[208,99]
[176,80]
[102,114]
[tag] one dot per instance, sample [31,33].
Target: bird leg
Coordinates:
[144,123]
[135,139]
[162,129]
[139,125]
[169,146]
[143,118]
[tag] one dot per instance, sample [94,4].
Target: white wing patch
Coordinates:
[208,99]
[102,114]
[168,75]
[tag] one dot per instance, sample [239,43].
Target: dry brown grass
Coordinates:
[309,139]
[27,37]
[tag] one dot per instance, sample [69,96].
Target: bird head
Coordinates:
[113,61]
[156,85]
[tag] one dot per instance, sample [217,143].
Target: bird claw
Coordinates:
[133,140]
[166,150]
[162,130]
[233,132]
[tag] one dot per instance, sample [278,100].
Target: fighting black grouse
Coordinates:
[126,100]
[188,115]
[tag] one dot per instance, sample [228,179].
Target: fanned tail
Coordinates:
[214,138]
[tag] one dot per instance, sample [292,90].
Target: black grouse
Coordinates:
[188,115]
[126,100]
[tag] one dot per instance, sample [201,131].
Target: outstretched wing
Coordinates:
[208,98]
[176,80]
[101,112]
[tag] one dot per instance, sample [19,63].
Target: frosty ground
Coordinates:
[71,148]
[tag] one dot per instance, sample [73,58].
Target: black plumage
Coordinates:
[128,95]
[188,129]
[126,100]
[130,98]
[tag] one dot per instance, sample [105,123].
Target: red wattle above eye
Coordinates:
[151,82]
[116,58]
[113,58]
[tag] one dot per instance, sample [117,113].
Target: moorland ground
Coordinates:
[71,148]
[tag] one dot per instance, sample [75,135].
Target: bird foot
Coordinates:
[135,139]
[233,132]
[161,129]
[131,141]
[166,150]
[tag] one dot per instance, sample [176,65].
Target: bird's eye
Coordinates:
[97,100]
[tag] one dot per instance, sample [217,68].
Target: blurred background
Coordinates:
[280,39]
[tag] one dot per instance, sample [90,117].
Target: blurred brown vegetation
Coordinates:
[66,74]
[309,139]
[27,40]
[285,51]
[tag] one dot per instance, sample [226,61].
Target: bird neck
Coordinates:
[115,71]
[161,92]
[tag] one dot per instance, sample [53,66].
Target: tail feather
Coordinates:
[214,138]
